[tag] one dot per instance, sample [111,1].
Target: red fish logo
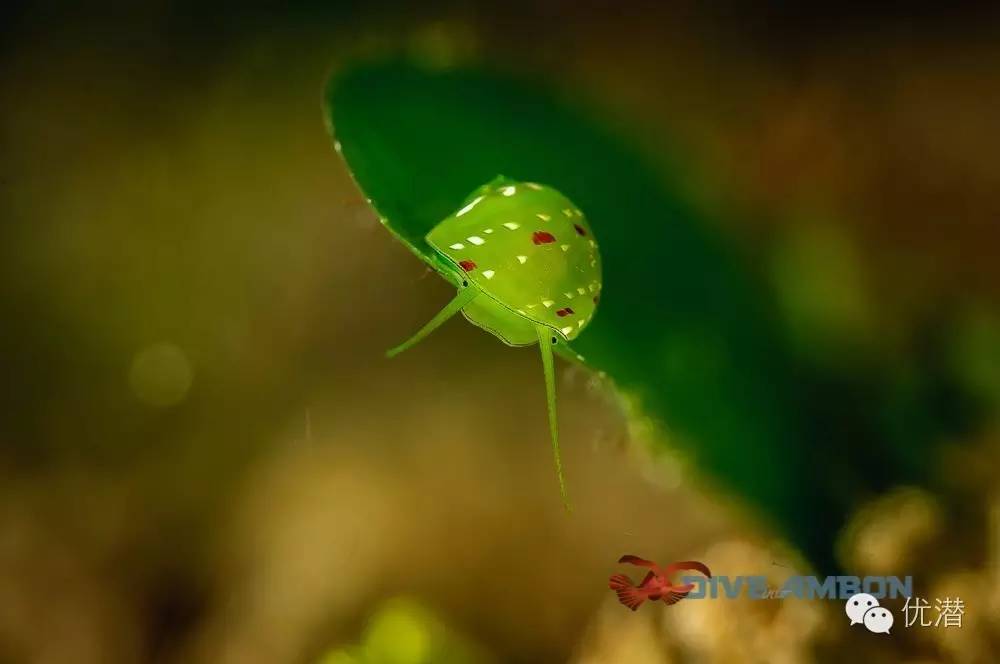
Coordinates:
[656,585]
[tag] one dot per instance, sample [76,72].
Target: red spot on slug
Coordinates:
[468,266]
[541,237]
[580,230]
[565,312]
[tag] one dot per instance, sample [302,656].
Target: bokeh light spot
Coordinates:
[161,375]
[398,636]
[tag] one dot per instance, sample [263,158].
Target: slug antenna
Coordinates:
[548,367]
[463,298]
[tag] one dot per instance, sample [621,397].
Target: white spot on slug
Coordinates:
[592,288]
[580,323]
[581,291]
[593,244]
[567,330]
[568,212]
[543,217]
[522,259]
[533,185]
[468,207]
[476,240]
[337,146]
[569,296]
[512,225]
[508,191]
[487,231]
[521,311]
[457,245]
[488,274]
[531,306]
[547,303]
[564,247]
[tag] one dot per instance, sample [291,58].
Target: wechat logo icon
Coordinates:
[864,609]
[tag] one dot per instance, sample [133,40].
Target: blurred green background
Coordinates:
[205,457]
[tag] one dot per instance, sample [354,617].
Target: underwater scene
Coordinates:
[466,332]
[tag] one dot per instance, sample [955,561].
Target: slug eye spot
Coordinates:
[542,237]
[580,230]
[554,341]
[468,266]
[465,283]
